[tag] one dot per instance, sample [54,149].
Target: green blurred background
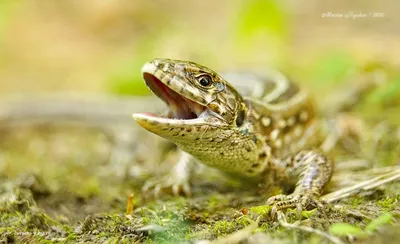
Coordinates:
[100,46]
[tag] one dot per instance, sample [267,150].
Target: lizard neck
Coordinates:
[285,119]
[234,149]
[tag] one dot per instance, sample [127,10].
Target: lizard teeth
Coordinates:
[197,109]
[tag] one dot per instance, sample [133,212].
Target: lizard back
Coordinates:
[279,110]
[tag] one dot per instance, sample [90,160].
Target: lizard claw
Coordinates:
[176,186]
[298,201]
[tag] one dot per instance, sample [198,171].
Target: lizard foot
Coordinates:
[168,184]
[299,201]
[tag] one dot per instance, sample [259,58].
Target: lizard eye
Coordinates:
[205,80]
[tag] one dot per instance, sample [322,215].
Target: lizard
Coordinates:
[238,125]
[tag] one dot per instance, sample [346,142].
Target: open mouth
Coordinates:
[180,107]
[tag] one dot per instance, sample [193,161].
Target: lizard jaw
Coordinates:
[182,112]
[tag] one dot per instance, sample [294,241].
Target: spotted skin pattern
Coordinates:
[244,123]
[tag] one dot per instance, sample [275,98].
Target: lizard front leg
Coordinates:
[312,170]
[177,180]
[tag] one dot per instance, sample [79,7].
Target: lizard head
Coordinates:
[194,94]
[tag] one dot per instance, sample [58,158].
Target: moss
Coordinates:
[261,210]
[389,203]
[308,214]
[224,227]
[146,220]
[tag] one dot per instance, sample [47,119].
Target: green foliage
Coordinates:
[345,229]
[127,80]
[260,16]
[331,68]
[386,94]
[384,219]
[261,26]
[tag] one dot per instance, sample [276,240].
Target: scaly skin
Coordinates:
[267,126]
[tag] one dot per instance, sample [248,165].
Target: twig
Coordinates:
[342,179]
[364,185]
